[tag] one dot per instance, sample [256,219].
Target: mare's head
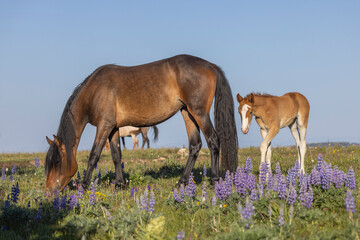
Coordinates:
[246,106]
[59,168]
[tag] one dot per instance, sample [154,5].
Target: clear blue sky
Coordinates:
[48,47]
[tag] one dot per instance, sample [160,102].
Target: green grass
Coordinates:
[161,169]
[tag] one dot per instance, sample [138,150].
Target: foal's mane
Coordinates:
[258,94]
[66,131]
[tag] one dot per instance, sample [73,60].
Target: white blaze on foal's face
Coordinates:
[245,118]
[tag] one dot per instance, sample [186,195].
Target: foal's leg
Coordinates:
[135,141]
[302,133]
[295,133]
[193,133]
[114,139]
[102,133]
[266,144]
[269,150]
[145,140]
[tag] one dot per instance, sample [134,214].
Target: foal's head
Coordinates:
[246,106]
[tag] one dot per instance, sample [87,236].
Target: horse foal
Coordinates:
[273,113]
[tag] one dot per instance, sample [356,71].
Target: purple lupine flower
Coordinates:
[315,178]
[38,214]
[177,197]
[296,169]
[278,169]
[15,191]
[28,205]
[253,195]
[133,191]
[282,188]
[291,176]
[56,201]
[263,172]
[247,212]
[250,182]
[309,198]
[182,190]
[248,165]
[122,165]
[349,202]
[92,192]
[204,192]
[84,173]
[63,202]
[269,181]
[228,183]
[180,235]
[151,202]
[320,162]
[80,191]
[260,189]
[3,174]
[11,178]
[107,213]
[190,187]
[325,178]
[106,171]
[339,178]
[204,171]
[73,201]
[281,216]
[240,181]
[144,200]
[220,190]
[302,193]
[37,162]
[350,179]
[7,202]
[13,169]
[292,195]
[78,177]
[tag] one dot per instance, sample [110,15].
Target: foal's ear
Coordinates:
[251,98]
[49,141]
[239,98]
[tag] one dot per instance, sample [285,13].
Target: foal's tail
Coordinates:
[225,123]
[156,133]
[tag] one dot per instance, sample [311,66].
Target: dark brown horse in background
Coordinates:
[146,95]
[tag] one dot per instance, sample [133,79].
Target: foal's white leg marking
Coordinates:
[302,131]
[294,131]
[244,119]
[135,141]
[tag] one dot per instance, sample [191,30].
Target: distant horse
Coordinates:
[130,131]
[134,131]
[145,95]
[272,113]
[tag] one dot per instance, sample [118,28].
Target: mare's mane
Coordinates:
[66,131]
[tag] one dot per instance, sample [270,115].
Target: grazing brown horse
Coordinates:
[134,131]
[272,113]
[115,96]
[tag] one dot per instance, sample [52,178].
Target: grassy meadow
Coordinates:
[148,209]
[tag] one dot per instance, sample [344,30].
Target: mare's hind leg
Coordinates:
[114,139]
[195,144]
[102,133]
[213,142]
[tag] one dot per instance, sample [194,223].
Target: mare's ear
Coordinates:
[239,98]
[251,98]
[49,141]
[57,141]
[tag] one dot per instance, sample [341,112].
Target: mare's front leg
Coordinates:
[102,133]
[114,139]
[195,144]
